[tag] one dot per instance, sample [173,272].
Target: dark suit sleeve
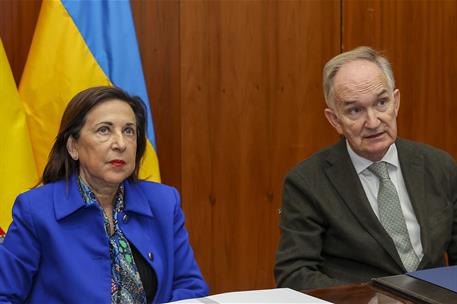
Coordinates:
[19,256]
[452,248]
[303,227]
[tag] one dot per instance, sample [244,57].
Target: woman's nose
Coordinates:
[119,141]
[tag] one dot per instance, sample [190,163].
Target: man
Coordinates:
[371,205]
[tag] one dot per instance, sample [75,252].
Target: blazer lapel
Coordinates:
[67,198]
[412,168]
[344,178]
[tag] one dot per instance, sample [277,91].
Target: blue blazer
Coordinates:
[56,249]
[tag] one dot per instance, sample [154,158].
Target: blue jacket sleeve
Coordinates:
[188,280]
[19,255]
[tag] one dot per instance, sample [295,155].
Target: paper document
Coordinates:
[276,295]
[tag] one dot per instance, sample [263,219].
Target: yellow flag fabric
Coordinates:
[17,166]
[74,47]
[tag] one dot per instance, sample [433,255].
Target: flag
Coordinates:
[76,45]
[17,166]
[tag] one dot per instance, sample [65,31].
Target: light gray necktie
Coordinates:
[391,216]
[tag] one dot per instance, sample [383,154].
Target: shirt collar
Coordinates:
[360,163]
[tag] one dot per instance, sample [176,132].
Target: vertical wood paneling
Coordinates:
[251,96]
[420,39]
[198,84]
[157,27]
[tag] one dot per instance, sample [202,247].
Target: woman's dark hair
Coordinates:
[60,165]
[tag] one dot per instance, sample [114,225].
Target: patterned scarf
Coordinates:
[126,286]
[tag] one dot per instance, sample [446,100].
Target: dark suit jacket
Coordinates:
[330,234]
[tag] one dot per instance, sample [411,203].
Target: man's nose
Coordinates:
[372,120]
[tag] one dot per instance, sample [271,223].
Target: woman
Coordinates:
[94,233]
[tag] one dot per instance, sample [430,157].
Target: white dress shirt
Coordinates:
[370,184]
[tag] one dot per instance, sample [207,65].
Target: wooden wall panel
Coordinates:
[157,26]
[251,108]
[420,39]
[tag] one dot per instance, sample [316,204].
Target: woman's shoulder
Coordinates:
[155,187]
[156,194]
[163,200]
[38,202]
[41,191]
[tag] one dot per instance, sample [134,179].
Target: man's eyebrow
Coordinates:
[383,92]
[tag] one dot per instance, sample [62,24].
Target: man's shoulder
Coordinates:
[318,161]
[428,152]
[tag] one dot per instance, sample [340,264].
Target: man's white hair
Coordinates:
[361,53]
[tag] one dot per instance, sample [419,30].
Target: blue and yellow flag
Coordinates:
[76,45]
[17,166]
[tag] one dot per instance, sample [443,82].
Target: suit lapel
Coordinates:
[343,176]
[412,168]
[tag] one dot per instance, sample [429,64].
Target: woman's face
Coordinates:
[106,147]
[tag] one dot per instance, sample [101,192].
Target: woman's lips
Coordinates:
[117,163]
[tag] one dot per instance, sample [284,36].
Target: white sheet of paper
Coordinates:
[276,295]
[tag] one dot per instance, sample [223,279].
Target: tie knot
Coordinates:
[380,170]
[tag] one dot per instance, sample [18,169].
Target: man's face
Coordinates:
[365,108]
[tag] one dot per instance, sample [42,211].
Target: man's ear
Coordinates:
[72,148]
[333,120]
[397,101]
